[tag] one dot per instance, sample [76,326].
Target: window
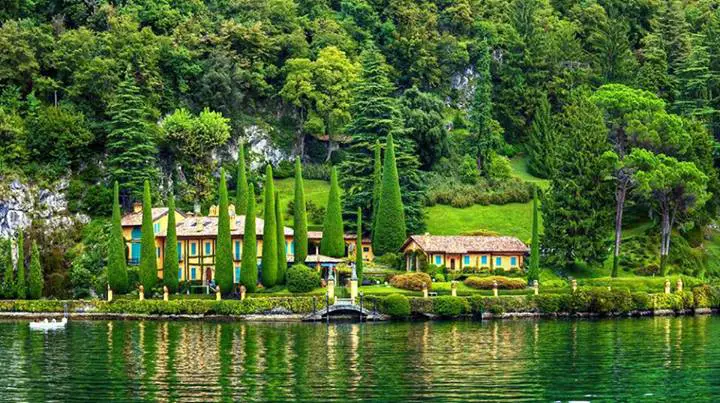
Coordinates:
[438,260]
[513,261]
[208,248]
[237,250]
[366,249]
[237,274]
[136,233]
[498,261]
[179,250]
[179,274]
[466,260]
[156,227]
[157,251]
[483,260]
[193,272]
[292,248]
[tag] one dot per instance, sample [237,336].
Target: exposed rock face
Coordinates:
[20,204]
[262,148]
[463,84]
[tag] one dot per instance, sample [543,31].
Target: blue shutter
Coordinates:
[513,261]
[237,274]
[136,233]
[292,248]
[207,248]
[484,260]
[438,260]
[179,252]
[192,273]
[193,249]
[179,274]
[237,250]
[467,260]
[498,261]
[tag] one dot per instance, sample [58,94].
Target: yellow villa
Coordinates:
[458,252]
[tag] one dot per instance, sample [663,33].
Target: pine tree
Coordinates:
[377,181]
[8,284]
[375,114]
[534,271]
[358,247]
[241,191]
[248,270]
[578,210]
[333,243]
[390,231]
[148,258]
[131,147]
[117,264]
[223,253]
[20,283]
[282,255]
[35,276]
[170,262]
[486,137]
[542,144]
[694,79]
[300,239]
[270,241]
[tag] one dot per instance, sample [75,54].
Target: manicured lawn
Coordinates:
[514,219]
[519,166]
[316,191]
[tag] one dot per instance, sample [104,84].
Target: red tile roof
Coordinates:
[467,244]
[134,219]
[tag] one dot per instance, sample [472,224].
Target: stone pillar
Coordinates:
[109,293]
[425,291]
[331,289]
[141,293]
[218,297]
[243,290]
[495,289]
[354,285]
[667,286]
[453,288]
[573,284]
[166,294]
[679,284]
[536,287]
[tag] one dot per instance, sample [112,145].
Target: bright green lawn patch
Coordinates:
[513,219]
[519,166]
[316,191]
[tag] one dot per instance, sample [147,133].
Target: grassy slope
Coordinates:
[316,191]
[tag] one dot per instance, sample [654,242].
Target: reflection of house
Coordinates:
[314,238]
[457,252]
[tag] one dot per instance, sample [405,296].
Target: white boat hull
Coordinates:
[48,325]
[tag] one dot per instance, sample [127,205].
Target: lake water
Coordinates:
[613,359]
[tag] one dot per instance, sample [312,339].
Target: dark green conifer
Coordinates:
[534,271]
[117,264]
[300,239]
[282,253]
[148,255]
[358,247]
[35,276]
[333,243]
[223,252]
[390,231]
[20,283]
[248,270]
[170,258]
[241,192]
[270,241]
[8,284]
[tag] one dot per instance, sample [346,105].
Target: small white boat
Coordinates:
[49,324]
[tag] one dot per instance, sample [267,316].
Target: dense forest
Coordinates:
[614,102]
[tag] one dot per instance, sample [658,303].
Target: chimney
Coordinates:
[233,217]
[200,224]
[137,207]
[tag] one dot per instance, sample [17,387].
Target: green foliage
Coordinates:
[301,278]
[333,239]
[503,283]
[20,282]
[241,187]
[359,247]
[170,256]
[422,112]
[8,279]
[282,257]
[486,132]
[35,275]
[534,269]
[117,263]
[300,238]
[148,260]
[411,281]
[542,143]
[249,270]
[450,307]
[223,253]
[390,231]
[270,241]
[396,305]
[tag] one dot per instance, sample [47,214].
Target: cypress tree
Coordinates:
[148,258]
[117,265]
[170,262]
[332,243]
[35,276]
[8,285]
[390,232]
[20,284]
[270,241]
[300,220]
[223,253]
[248,270]
[542,143]
[241,190]
[282,255]
[358,247]
[377,182]
[534,272]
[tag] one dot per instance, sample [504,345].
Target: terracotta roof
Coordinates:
[317,235]
[467,244]
[208,226]
[134,219]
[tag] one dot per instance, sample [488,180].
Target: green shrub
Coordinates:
[486,283]
[411,281]
[301,278]
[500,305]
[641,301]
[551,303]
[390,260]
[439,277]
[396,305]
[554,284]
[421,305]
[667,301]
[450,307]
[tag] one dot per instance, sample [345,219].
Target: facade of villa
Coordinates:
[458,252]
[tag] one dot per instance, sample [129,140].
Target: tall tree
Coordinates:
[130,144]
[8,284]
[359,247]
[282,252]
[117,264]
[390,231]
[486,132]
[333,243]
[20,283]
[241,190]
[270,241]
[576,211]
[695,83]
[223,254]
[300,236]
[35,276]
[534,272]
[425,125]
[377,181]
[170,257]
[542,143]
[148,256]
[249,269]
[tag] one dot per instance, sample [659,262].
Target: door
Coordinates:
[208,274]
[452,264]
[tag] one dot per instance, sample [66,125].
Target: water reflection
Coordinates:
[629,359]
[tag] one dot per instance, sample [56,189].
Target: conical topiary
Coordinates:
[248,270]
[223,252]
[333,243]
[270,241]
[148,255]
[171,277]
[390,232]
[117,264]
[300,239]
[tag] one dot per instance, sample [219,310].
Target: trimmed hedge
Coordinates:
[301,278]
[503,283]
[396,305]
[450,307]
[411,281]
